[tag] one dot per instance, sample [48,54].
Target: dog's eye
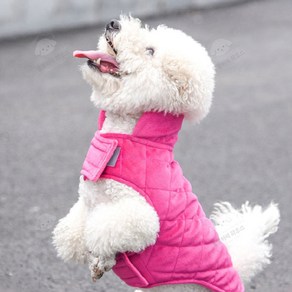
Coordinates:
[150,51]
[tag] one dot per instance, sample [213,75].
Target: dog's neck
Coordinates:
[117,123]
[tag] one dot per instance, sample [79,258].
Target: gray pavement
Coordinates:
[242,151]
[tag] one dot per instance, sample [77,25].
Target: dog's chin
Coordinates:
[94,77]
[102,83]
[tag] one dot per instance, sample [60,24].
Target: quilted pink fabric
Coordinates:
[187,249]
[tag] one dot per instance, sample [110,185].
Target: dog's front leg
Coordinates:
[68,235]
[126,223]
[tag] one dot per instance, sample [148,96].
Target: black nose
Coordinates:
[113,25]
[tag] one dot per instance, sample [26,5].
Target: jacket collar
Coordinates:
[154,126]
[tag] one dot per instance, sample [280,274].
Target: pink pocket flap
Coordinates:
[99,154]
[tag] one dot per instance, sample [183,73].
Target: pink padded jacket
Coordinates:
[187,249]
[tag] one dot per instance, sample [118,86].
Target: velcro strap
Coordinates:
[99,154]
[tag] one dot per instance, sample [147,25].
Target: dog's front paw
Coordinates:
[95,272]
[106,263]
[98,265]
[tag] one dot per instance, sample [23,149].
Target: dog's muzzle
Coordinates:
[105,62]
[112,28]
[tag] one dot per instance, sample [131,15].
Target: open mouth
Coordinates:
[108,40]
[101,61]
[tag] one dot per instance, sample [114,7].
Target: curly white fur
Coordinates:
[244,232]
[110,217]
[178,78]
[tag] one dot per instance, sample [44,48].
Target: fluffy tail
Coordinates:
[245,232]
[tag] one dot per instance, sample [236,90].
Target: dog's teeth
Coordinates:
[97,61]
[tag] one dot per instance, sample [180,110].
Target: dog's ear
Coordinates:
[189,69]
[192,93]
[177,75]
[181,82]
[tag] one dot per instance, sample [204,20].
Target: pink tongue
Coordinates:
[94,55]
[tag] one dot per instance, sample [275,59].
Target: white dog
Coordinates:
[136,213]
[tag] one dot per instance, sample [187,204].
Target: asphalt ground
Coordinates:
[241,151]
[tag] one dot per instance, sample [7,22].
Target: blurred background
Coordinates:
[241,151]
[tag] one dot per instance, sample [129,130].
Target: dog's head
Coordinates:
[137,69]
